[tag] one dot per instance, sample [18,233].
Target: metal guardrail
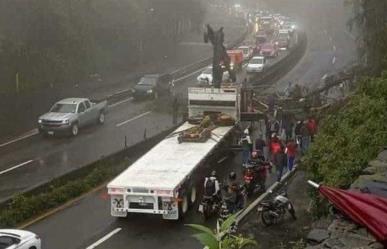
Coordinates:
[273,188]
[183,70]
[282,66]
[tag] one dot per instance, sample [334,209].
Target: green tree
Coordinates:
[222,237]
[370,21]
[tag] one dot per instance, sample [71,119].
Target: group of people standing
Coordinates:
[285,139]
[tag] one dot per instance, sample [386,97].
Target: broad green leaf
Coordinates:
[207,240]
[202,228]
[228,222]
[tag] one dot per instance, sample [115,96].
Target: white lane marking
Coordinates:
[189,75]
[334,48]
[132,119]
[350,35]
[334,60]
[104,238]
[120,102]
[330,38]
[122,91]
[27,135]
[15,167]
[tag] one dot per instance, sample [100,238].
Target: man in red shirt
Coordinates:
[275,146]
[312,127]
[291,151]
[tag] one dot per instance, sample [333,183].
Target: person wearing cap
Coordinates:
[211,185]
[246,144]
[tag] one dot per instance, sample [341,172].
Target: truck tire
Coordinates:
[183,206]
[101,118]
[74,130]
[43,133]
[193,195]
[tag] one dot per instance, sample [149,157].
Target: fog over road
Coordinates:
[329,48]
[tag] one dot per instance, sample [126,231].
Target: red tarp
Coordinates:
[365,209]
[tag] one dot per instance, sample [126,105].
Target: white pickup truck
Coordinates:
[68,115]
[165,180]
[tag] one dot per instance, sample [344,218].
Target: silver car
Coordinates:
[68,115]
[18,239]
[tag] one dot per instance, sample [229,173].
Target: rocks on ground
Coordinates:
[339,233]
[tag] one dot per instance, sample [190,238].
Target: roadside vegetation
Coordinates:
[48,42]
[369,24]
[353,131]
[23,207]
[222,237]
[350,136]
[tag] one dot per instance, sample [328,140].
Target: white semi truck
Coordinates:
[165,180]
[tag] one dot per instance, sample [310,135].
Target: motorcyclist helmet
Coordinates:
[232,175]
[254,154]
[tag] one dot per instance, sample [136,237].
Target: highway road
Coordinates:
[35,160]
[29,162]
[331,47]
[87,223]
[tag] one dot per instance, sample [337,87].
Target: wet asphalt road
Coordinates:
[36,160]
[89,220]
[330,46]
[91,215]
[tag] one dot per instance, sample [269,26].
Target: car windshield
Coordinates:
[245,50]
[267,46]
[261,39]
[148,81]
[64,108]
[257,61]
[282,36]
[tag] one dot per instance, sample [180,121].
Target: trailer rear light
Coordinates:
[117,190]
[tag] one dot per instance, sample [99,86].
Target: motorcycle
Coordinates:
[234,201]
[209,206]
[254,177]
[273,211]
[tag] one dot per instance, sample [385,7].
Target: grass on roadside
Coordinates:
[24,207]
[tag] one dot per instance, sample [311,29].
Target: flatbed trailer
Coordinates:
[165,180]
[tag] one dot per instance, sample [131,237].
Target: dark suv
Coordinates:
[153,86]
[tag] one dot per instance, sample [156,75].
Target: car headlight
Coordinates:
[66,121]
[40,121]
[149,91]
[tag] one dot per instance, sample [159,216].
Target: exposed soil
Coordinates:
[289,232]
